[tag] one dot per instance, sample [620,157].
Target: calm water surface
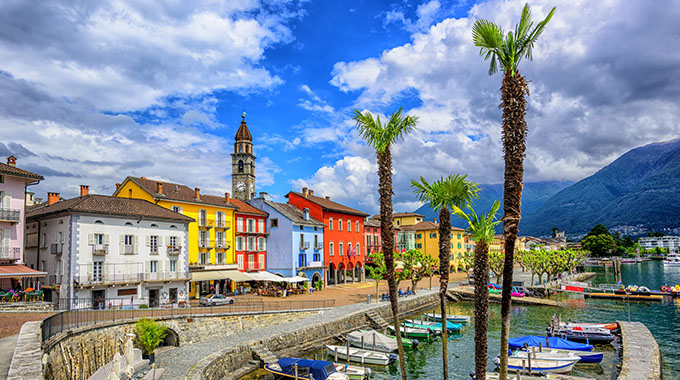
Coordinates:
[663,320]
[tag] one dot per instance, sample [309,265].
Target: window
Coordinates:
[154,225]
[330,224]
[349,226]
[273,222]
[176,209]
[153,244]
[356,224]
[302,260]
[340,249]
[302,241]
[316,228]
[368,240]
[203,239]
[349,248]
[2,178]
[129,239]
[202,218]
[219,239]
[203,258]
[261,245]
[433,235]
[60,237]
[302,228]
[340,225]
[220,257]
[251,243]
[240,163]
[460,246]
[173,266]
[375,240]
[251,225]
[330,249]
[358,252]
[128,223]
[251,261]
[239,224]
[458,236]
[172,241]
[419,236]
[97,271]
[260,225]
[261,262]
[153,266]
[239,262]
[419,246]
[239,243]
[397,222]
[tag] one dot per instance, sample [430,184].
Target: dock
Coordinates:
[467,293]
[623,297]
[641,357]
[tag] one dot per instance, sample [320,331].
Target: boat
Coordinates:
[585,356]
[406,342]
[372,340]
[578,334]
[352,371]
[450,326]
[628,261]
[555,376]
[517,293]
[494,291]
[538,365]
[306,369]
[672,259]
[358,355]
[545,355]
[548,342]
[451,318]
[411,332]
[613,326]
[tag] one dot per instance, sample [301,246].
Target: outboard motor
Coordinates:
[472,375]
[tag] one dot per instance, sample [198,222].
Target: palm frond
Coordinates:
[488,37]
[380,136]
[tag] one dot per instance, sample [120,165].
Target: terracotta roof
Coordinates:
[14,171]
[109,205]
[18,270]
[243,133]
[246,208]
[403,214]
[293,213]
[423,226]
[372,222]
[328,204]
[178,192]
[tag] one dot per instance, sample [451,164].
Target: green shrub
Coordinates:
[149,335]
[143,306]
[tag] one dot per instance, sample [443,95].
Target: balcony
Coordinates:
[205,223]
[318,246]
[222,225]
[128,250]
[223,245]
[57,248]
[8,215]
[304,245]
[10,253]
[206,244]
[100,250]
[111,274]
[174,251]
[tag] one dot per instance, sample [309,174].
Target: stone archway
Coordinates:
[341,274]
[175,335]
[358,269]
[316,277]
[331,275]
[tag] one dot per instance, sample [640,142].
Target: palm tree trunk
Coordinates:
[513,93]
[387,235]
[444,268]
[481,270]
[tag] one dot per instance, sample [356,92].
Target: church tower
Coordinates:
[243,164]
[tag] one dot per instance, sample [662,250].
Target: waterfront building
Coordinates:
[405,218]
[211,266]
[296,240]
[250,241]
[372,236]
[671,243]
[105,251]
[343,235]
[406,238]
[427,240]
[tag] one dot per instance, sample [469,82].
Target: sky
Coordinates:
[91,92]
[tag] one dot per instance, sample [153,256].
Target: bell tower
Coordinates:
[243,164]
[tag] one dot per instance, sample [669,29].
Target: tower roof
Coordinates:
[243,133]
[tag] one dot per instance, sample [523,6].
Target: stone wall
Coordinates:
[77,354]
[22,307]
[25,363]
[641,357]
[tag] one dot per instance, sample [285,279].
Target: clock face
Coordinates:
[240,186]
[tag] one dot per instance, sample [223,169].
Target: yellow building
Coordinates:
[427,241]
[405,219]
[211,249]
[498,244]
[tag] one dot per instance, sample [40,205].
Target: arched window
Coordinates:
[98,222]
[154,225]
[240,166]
[128,223]
[240,148]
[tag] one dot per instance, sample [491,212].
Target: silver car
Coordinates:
[215,299]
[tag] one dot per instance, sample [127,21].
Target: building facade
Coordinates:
[243,164]
[250,241]
[406,219]
[671,243]
[427,241]
[109,252]
[295,245]
[343,235]
[373,242]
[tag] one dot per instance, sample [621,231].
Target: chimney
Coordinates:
[84,190]
[328,198]
[311,192]
[305,213]
[117,186]
[435,220]
[159,187]
[37,201]
[12,161]
[304,192]
[197,190]
[226,197]
[52,198]
[143,177]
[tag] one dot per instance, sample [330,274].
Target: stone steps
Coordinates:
[376,320]
[262,353]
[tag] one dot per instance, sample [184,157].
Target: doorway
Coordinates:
[173,295]
[98,301]
[154,296]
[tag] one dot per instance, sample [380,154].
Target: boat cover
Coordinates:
[555,342]
[382,342]
[318,368]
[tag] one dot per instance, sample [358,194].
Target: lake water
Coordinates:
[662,319]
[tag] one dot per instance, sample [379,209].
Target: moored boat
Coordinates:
[555,376]
[352,371]
[372,340]
[411,332]
[306,369]
[546,355]
[406,342]
[451,318]
[538,365]
[358,355]
[672,260]
[592,335]
[585,356]
[548,342]
[589,325]
[450,326]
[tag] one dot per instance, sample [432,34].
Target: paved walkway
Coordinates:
[6,351]
[178,361]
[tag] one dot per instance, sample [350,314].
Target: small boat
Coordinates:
[352,371]
[624,297]
[546,355]
[306,369]
[494,291]
[451,318]
[593,335]
[585,356]
[496,376]
[372,340]
[358,355]
[450,326]
[411,332]
[672,260]
[538,365]
[517,293]
[406,342]
[548,342]
[628,261]
[587,325]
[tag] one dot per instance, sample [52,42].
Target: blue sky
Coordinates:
[90,93]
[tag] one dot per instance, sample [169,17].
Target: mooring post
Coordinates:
[547,342]
[374,342]
[347,347]
[530,372]
[336,354]
[362,342]
[523,367]
[540,346]
[296,371]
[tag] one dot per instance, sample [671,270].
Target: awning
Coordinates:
[266,276]
[296,279]
[210,275]
[17,271]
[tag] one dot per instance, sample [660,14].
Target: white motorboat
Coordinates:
[354,372]
[358,355]
[672,260]
[539,365]
[546,355]
[584,356]
[496,376]
[451,318]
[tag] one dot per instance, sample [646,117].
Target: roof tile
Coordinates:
[330,205]
[13,170]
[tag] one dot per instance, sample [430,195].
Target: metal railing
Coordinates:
[174,251]
[9,215]
[57,248]
[100,249]
[123,277]
[8,252]
[86,312]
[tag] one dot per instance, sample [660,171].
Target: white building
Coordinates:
[672,243]
[103,251]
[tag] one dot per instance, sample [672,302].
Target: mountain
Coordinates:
[638,192]
[533,196]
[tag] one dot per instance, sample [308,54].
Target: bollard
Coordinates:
[296,371]
[336,354]
[540,346]
[347,347]
[369,299]
[523,367]
[362,342]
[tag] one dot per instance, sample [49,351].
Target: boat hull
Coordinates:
[451,318]
[356,355]
[538,366]
[585,356]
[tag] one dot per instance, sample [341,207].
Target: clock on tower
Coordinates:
[243,164]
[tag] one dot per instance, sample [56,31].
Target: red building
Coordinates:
[343,235]
[250,245]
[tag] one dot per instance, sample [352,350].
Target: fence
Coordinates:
[71,319]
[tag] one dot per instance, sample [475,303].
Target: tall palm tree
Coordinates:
[481,229]
[381,137]
[508,51]
[443,195]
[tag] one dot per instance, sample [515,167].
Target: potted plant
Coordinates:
[149,334]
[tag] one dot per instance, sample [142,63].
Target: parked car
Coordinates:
[215,299]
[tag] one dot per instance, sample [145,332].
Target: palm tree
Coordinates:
[381,137]
[508,51]
[481,229]
[443,195]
